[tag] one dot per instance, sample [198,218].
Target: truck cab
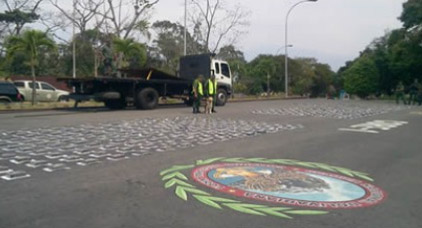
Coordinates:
[207,64]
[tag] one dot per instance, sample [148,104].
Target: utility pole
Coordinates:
[286,60]
[185,32]
[74,40]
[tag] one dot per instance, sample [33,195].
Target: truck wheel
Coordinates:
[221,97]
[115,104]
[147,99]
[5,101]
[63,99]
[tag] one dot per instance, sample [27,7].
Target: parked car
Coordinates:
[44,91]
[9,93]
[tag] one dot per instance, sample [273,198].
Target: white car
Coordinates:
[44,91]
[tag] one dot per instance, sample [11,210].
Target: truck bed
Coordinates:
[149,74]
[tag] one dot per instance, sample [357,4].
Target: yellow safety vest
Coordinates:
[212,87]
[198,86]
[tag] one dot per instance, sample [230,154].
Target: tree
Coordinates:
[323,78]
[120,19]
[237,62]
[30,44]
[168,45]
[18,13]
[18,18]
[216,23]
[230,53]
[85,12]
[412,13]
[129,50]
[362,77]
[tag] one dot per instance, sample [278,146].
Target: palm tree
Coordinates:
[30,43]
[127,48]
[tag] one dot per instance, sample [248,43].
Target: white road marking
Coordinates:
[373,127]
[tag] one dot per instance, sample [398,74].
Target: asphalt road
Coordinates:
[98,168]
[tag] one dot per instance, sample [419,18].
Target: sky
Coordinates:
[332,31]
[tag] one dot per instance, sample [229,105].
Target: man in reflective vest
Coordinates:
[211,89]
[198,93]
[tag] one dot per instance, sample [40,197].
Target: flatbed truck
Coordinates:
[143,88]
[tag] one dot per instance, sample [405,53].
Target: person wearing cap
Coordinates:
[198,93]
[211,90]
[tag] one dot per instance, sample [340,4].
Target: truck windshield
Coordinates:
[20,84]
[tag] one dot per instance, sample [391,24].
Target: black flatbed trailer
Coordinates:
[142,88]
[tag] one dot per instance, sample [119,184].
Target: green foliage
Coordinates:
[168,46]
[306,75]
[396,55]
[362,78]
[31,45]
[230,53]
[84,56]
[412,13]
[18,17]
[131,53]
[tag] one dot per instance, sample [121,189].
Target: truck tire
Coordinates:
[5,100]
[221,97]
[147,99]
[115,104]
[63,99]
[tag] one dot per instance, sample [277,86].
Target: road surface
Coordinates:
[302,163]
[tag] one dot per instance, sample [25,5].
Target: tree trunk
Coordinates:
[33,84]
[96,59]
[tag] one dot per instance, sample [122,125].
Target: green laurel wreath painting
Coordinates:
[290,187]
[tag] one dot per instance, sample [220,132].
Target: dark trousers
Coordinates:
[196,103]
[419,99]
[412,98]
[214,101]
[400,96]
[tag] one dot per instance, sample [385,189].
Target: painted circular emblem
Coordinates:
[289,185]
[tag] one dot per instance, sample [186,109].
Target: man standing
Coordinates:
[413,92]
[211,90]
[400,93]
[419,96]
[198,93]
